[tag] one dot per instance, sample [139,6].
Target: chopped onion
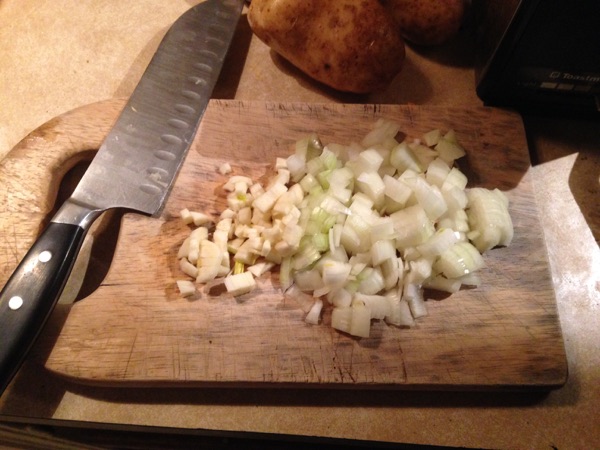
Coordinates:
[360,323]
[459,260]
[448,150]
[437,244]
[188,268]
[399,312]
[413,227]
[260,268]
[431,138]
[378,305]
[489,219]
[403,158]
[382,250]
[209,261]
[186,287]
[240,283]
[441,283]
[314,313]
[368,226]
[341,318]
[225,168]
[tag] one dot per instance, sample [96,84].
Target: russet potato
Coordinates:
[349,45]
[427,22]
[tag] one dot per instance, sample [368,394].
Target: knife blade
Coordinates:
[134,168]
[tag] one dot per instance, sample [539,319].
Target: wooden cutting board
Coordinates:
[135,329]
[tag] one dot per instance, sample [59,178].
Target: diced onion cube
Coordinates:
[315,312]
[225,168]
[239,284]
[186,288]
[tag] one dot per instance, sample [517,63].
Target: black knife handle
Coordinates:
[32,291]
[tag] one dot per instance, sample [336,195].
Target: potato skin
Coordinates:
[349,45]
[427,22]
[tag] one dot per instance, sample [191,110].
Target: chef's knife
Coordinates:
[134,168]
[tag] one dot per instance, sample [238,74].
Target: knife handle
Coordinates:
[32,291]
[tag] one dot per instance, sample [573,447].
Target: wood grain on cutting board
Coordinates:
[135,329]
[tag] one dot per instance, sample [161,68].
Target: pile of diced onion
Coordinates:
[362,228]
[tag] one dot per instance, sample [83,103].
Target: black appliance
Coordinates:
[539,55]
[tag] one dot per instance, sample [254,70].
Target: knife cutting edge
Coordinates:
[134,168]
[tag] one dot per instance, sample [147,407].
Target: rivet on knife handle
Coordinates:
[134,168]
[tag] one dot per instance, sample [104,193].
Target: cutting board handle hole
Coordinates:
[105,230]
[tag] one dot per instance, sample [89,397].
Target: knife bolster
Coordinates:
[77,213]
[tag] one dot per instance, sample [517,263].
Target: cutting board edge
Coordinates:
[546,386]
